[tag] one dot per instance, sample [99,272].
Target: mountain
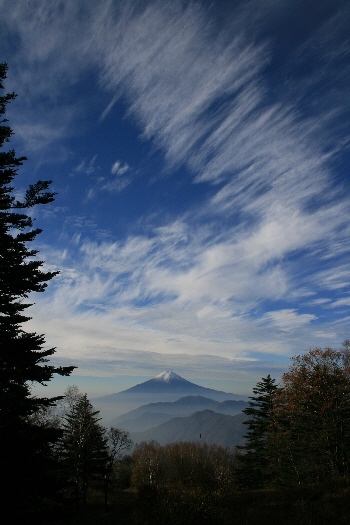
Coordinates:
[205,426]
[153,414]
[170,384]
[166,386]
[142,422]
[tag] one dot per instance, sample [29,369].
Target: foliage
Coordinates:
[26,457]
[182,465]
[118,442]
[181,482]
[255,466]
[299,432]
[313,410]
[83,447]
[187,492]
[147,465]
[296,453]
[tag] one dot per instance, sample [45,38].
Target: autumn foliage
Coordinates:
[306,434]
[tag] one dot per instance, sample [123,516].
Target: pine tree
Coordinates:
[256,463]
[83,447]
[24,446]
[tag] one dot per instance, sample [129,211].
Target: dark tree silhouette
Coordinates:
[83,447]
[255,464]
[24,447]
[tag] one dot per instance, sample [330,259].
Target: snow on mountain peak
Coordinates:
[168,376]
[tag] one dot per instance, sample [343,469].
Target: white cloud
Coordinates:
[119,168]
[336,278]
[122,178]
[319,302]
[116,185]
[86,167]
[288,320]
[174,292]
[345,301]
[187,285]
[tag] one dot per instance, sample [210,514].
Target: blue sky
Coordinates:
[200,152]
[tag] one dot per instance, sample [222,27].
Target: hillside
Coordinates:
[165,387]
[205,426]
[153,414]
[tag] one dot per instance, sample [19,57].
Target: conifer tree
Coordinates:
[83,447]
[24,446]
[256,463]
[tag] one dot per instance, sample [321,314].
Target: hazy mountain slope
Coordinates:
[153,414]
[142,422]
[205,426]
[165,387]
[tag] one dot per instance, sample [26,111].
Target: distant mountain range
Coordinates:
[153,414]
[205,426]
[165,387]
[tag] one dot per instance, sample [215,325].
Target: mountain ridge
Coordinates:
[205,426]
[167,382]
[152,414]
[166,387]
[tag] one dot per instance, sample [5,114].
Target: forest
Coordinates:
[60,465]
[293,465]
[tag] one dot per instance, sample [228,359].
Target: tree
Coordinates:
[148,465]
[182,482]
[118,442]
[300,431]
[189,465]
[314,410]
[23,360]
[83,447]
[256,463]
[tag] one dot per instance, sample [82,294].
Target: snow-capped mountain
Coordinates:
[169,376]
[166,386]
[169,384]
[164,383]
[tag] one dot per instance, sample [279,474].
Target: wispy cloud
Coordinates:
[86,167]
[119,168]
[288,320]
[122,177]
[226,277]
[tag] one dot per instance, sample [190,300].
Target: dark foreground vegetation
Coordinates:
[293,467]
[312,505]
[58,465]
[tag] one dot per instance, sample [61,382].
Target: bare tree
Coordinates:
[119,443]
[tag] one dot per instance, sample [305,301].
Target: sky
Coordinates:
[200,155]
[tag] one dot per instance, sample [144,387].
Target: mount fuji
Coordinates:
[166,386]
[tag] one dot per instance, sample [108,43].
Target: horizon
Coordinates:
[87,385]
[200,155]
